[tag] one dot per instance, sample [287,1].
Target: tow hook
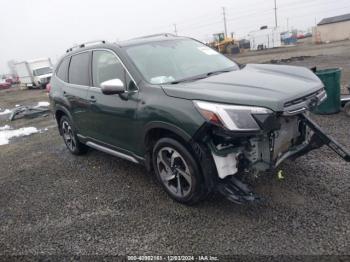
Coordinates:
[324,139]
[236,191]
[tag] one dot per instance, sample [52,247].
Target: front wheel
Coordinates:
[177,171]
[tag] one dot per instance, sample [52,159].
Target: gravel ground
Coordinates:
[52,202]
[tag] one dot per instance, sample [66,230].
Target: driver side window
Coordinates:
[106,66]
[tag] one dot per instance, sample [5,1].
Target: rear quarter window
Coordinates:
[79,69]
[62,70]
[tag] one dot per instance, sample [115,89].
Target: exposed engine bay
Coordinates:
[285,137]
[264,151]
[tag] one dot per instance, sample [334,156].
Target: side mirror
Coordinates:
[112,87]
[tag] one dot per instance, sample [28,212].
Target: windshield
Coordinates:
[42,71]
[176,60]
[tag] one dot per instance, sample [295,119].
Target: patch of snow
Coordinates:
[17,105]
[7,111]
[42,103]
[6,133]
[43,130]
[6,127]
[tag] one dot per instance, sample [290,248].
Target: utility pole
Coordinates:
[175,29]
[225,23]
[275,14]
[287,23]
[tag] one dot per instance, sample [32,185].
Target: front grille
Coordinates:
[302,99]
[304,103]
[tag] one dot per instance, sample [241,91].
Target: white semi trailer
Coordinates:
[34,73]
[265,38]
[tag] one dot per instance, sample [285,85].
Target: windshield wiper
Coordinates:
[194,78]
[219,72]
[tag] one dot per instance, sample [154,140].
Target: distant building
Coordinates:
[331,29]
[265,38]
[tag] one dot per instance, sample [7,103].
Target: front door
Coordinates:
[112,116]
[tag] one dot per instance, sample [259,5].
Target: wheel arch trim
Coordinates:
[65,111]
[165,126]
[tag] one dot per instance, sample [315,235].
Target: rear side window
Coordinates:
[62,71]
[106,66]
[79,69]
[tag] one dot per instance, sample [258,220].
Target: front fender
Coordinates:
[165,126]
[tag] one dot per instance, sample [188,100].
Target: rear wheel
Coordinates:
[347,108]
[70,138]
[177,171]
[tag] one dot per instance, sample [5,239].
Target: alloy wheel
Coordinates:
[68,136]
[174,172]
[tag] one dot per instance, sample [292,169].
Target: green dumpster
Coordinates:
[331,80]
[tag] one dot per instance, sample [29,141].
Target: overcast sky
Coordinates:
[46,28]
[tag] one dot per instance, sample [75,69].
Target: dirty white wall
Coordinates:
[333,32]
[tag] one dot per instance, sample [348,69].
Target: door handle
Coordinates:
[92,99]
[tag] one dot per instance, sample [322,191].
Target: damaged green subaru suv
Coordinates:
[200,121]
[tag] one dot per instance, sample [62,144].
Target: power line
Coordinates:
[259,12]
[256,6]
[298,3]
[321,12]
[310,5]
[203,25]
[318,12]
[195,19]
[267,11]
[250,13]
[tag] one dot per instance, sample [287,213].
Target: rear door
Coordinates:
[113,115]
[77,88]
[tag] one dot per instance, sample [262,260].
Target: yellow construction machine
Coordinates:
[225,45]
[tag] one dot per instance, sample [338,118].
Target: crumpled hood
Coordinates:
[262,85]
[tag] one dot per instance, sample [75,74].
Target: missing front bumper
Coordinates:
[312,138]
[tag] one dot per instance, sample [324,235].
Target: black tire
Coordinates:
[70,137]
[347,108]
[179,169]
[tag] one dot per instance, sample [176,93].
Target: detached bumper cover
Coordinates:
[321,138]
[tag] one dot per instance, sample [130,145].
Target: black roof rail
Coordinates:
[155,35]
[85,44]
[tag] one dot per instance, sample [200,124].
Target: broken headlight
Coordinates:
[233,117]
